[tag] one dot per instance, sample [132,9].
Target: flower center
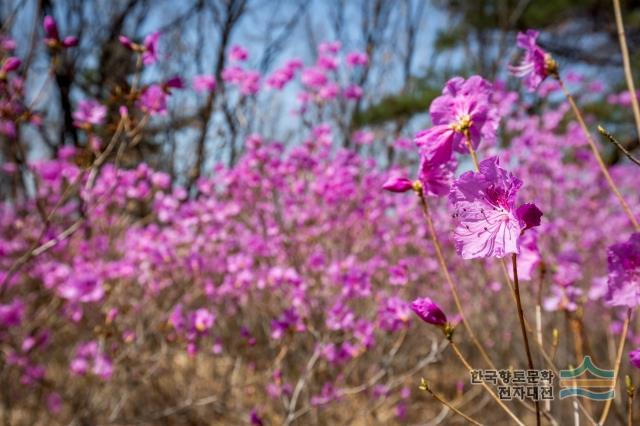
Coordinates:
[463,124]
[550,65]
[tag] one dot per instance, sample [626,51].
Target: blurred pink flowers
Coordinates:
[238,53]
[90,112]
[153,100]
[624,273]
[357,58]
[204,83]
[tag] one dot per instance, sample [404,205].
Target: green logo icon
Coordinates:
[573,385]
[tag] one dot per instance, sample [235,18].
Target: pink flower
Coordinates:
[327,62]
[487,222]
[153,100]
[398,184]
[7,44]
[328,91]
[353,91]
[394,314]
[203,320]
[294,64]
[82,286]
[624,273]
[428,311]
[563,299]
[233,75]
[90,356]
[329,47]
[54,402]
[463,109]
[634,358]
[436,178]
[357,58]
[90,112]
[255,419]
[363,137]
[250,84]
[150,54]
[238,53]
[314,77]
[204,83]
[280,78]
[536,64]
[12,313]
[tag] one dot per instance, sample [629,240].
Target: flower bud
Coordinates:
[50,28]
[398,184]
[11,64]
[428,311]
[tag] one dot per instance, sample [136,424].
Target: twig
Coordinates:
[514,262]
[596,154]
[425,386]
[627,64]
[617,143]
[616,368]
[466,364]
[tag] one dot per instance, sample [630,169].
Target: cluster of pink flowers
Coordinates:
[293,251]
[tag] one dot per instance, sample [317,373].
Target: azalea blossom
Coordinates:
[357,58]
[204,83]
[238,53]
[536,64]
[436,178]
[90,112]
[624,273]
[153,100]
[150,54]
[487,223]
[353,91]
[462,112]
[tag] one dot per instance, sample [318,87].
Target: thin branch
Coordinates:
[617,143]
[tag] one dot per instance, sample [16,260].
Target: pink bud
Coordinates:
[126,42]
[529,215]
[50,27]
[124,112]
[11,64]
[70,41]
[398,184]
[175,83]
[428,311]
